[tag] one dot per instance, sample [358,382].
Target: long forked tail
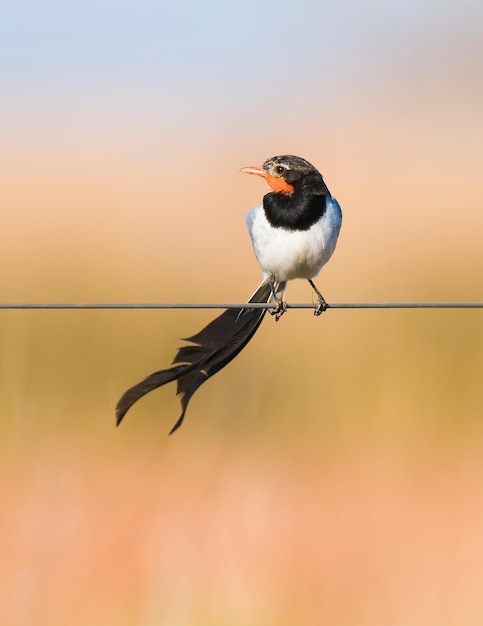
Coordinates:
[211,349]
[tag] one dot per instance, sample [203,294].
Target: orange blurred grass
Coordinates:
[330,474]
[198,531]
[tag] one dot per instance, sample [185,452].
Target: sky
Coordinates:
[214,59]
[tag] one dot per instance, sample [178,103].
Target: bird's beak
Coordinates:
[257,171]
[277,183]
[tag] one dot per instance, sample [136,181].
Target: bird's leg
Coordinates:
[281,307]
[321,303]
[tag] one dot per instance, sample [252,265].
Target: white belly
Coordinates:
[289,254]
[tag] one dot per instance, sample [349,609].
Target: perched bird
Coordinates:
[294,233]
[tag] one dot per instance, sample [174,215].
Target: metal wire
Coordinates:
[229,305]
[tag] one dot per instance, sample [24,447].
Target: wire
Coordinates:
[228,305]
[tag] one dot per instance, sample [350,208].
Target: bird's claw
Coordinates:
[279,310]
[320,307]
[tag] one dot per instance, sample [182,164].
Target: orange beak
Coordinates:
[258,171]
[278,184]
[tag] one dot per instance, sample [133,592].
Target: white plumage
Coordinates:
[287,254]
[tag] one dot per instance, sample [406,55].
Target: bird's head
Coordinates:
[284,173]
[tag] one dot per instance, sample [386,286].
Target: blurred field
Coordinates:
[333,473]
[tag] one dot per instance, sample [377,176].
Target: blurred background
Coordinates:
[333,473]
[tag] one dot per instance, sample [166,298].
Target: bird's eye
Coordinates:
[279,170]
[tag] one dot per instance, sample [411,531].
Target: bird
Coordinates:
[294,233]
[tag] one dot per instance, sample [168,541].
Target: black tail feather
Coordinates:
[211,349]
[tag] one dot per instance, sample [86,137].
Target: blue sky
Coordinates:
[189,47]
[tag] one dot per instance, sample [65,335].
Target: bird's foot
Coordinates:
[279,310]
[281,307]
[321,306]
